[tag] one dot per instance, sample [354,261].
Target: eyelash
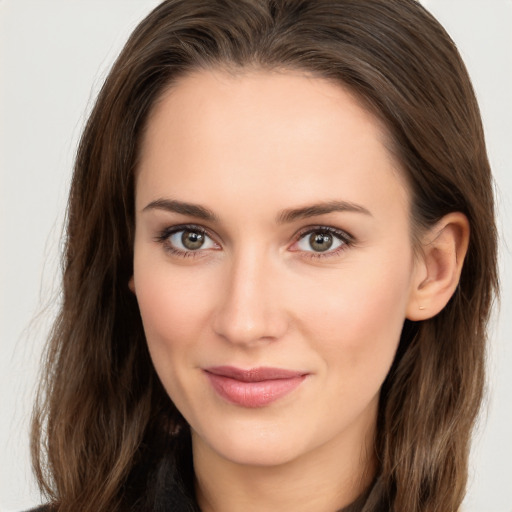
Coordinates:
[345,238]
[164,235]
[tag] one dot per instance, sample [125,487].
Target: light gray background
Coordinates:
[54,55]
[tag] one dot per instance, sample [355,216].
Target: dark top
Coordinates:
[173,500]
[173,488]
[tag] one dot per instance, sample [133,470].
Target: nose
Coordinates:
[250,309]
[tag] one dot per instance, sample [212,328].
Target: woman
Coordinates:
[279,267]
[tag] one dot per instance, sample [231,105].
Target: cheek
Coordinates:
[175,309]
[174,305]
[356,318]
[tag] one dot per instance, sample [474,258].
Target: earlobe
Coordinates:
[131,284]
[439,265]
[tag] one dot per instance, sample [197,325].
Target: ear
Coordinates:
[131,284]
[438,266]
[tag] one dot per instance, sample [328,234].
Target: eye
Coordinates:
[322,240]
[186,240]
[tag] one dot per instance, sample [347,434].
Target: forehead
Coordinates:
[284,103]
[266,133]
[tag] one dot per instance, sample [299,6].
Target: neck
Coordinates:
[328,478]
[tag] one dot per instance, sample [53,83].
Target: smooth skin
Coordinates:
[273,229]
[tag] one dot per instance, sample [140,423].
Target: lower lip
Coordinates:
[253,394]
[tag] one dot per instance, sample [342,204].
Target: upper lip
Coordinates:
[254,374]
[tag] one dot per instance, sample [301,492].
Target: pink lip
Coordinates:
[255,387]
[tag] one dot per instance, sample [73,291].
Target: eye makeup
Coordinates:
[192,240]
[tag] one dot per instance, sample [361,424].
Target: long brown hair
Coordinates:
[102,414]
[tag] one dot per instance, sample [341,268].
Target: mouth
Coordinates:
[255,387]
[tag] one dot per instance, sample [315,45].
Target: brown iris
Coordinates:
[192,240]
[320,242]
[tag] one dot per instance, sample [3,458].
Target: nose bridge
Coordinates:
[249,310]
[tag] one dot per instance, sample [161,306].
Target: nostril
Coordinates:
[241,324]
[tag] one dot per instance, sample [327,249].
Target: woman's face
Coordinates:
[273,262]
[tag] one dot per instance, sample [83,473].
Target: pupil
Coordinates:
[320,241]
[192,240]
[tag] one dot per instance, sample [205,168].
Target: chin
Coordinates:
[254,447]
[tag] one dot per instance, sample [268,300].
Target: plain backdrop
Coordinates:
[54,56]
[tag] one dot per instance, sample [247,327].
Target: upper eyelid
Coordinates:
[304,230]
[330,229]
[183,227]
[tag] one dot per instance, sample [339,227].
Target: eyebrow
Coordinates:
[284,217]
[172,205]
[313,210]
